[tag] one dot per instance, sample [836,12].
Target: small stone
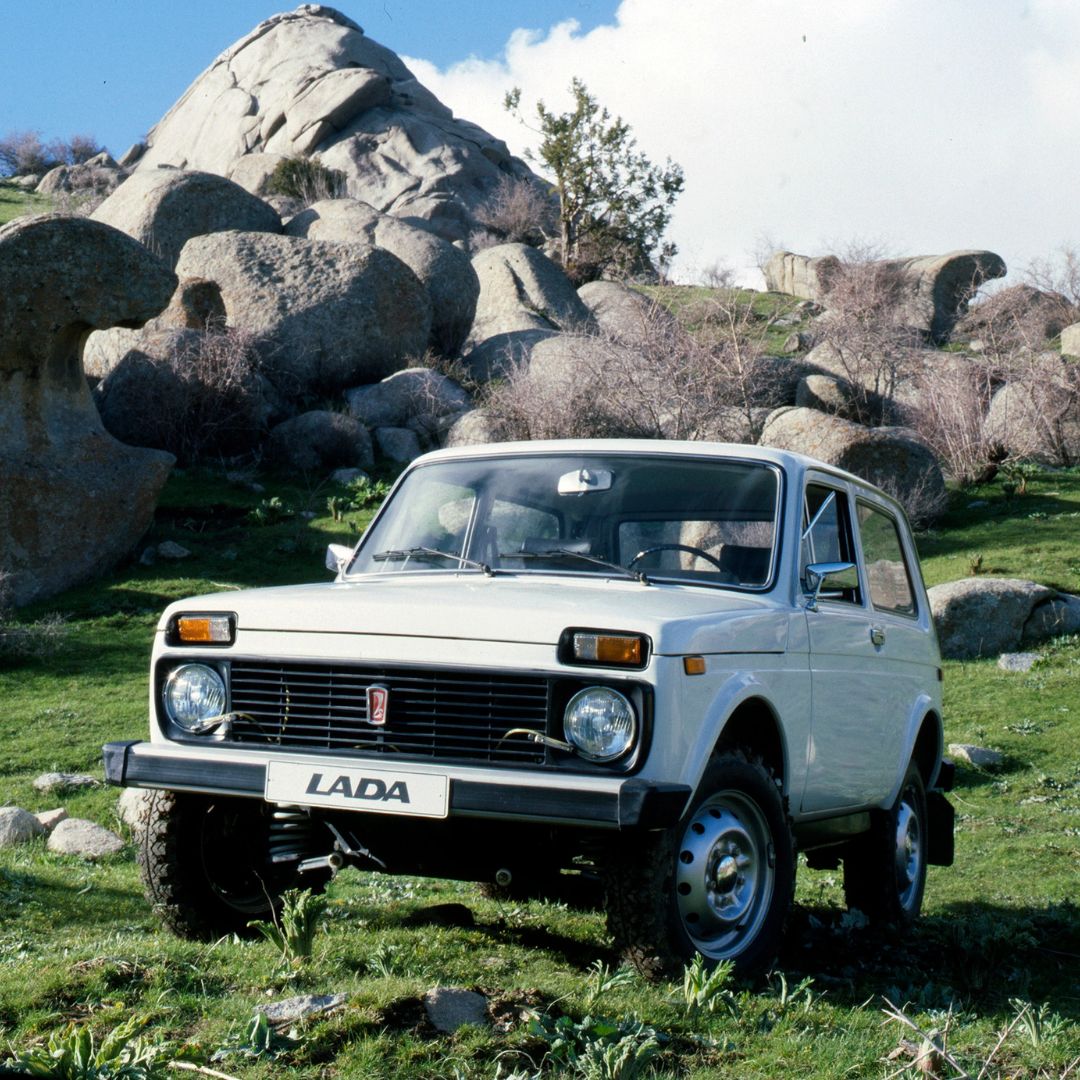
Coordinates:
[171,550]
[449,1008]
[49,819]
[977,504]
[148,556]
[289,1010]
[76,836]
[1017,661]
[978,756]
[62,781]
[17,826]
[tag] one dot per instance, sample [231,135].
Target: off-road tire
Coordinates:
[649,920]
[885,869]
[204,866]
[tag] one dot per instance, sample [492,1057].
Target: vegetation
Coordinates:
[307,179]
[986,985]
[14,202]
[24,152]
[614,203]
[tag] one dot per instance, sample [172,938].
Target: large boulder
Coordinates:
[328,315]
[893,458]
[309,81]
[936,289]
[984,616]
[73,500]
[418,398]
[522,289]
[164,208]
[502,354]
[622,311]
[443,269]
[319,442]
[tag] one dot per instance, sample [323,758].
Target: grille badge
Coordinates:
[378,703]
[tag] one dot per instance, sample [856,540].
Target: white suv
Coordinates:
[667,665]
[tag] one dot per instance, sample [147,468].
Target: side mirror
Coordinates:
[337,557]
[815,575]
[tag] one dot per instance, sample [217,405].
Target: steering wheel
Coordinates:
[679,547]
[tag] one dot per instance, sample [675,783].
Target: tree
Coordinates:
[614,203]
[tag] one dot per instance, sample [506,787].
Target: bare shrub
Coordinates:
[718,275]
[1019,317]
[1043,417]
[1058,274]
[865,329]
[518,211]
[19,641]
[205,399]
[654,379]
[24,152]
[953,396]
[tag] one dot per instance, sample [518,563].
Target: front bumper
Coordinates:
[630,803]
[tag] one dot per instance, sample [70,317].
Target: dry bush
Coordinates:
[953,395]
[1058,274]
[23,152]
[866,329]
[206,399]
[518,211]
[1046,406]
[653,380]
[1020,317]
[307,179]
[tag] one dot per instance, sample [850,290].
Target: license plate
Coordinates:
[371,790]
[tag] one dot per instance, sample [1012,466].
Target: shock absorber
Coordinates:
[291,834]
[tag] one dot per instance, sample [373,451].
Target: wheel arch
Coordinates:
[928,747]
[754,727]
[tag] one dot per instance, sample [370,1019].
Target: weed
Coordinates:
[293,930]
[271,511]
[259,1039]
[597,1048]
[707,989]
[602,979]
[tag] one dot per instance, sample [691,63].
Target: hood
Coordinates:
[534,610]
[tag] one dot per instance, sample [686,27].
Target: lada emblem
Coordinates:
[378,701]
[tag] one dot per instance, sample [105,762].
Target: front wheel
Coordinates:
[885,869]
[205,863]
[719,883]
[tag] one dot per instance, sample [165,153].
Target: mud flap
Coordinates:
[941,820]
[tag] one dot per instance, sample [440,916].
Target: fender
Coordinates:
[923,709]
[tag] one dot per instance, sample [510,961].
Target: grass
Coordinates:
[14,202]
[79,945]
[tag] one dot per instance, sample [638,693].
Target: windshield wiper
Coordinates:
[426,553]
[567,553]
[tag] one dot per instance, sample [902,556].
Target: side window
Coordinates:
[826,537]
[887,575]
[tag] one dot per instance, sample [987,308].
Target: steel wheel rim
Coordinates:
[725,875]
[233,878]
[909,851]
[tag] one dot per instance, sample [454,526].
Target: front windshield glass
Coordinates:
[690,519]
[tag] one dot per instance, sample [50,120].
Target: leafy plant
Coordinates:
[597,1048]
[75,1054]
[602,979]
[367,494]
[293,930]
[258,1040]
[1016,475]
[271,511]
[707,989]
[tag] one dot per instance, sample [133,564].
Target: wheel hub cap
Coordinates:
[724,875]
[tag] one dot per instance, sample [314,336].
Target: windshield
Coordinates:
[701,520]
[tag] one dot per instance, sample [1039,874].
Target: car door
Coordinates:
[851,707]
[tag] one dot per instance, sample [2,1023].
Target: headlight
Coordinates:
[600,723]
[194,698]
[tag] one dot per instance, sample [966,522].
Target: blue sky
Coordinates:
[112,68]
[916,126]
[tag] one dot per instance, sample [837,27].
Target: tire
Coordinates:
[205,863]
[719,883]
[885,869]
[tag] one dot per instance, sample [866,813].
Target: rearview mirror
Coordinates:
[337,557]
[815,575]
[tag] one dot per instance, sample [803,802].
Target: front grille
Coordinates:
[431,714]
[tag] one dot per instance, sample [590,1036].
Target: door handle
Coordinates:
[877,635]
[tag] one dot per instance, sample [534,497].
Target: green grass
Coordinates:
[79,944]
[14,202]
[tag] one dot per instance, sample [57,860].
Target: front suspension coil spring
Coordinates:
[291,834]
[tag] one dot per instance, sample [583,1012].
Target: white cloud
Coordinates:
[927,125]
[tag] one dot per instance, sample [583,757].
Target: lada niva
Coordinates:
[666,666]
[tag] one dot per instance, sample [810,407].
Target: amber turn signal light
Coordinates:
[204,630]
[693,665]
[621,650]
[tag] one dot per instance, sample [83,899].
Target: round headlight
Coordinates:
[194,698]
[600,723]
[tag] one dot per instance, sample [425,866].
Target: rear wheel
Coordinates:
[719,883]
[205,863]
[885,870]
